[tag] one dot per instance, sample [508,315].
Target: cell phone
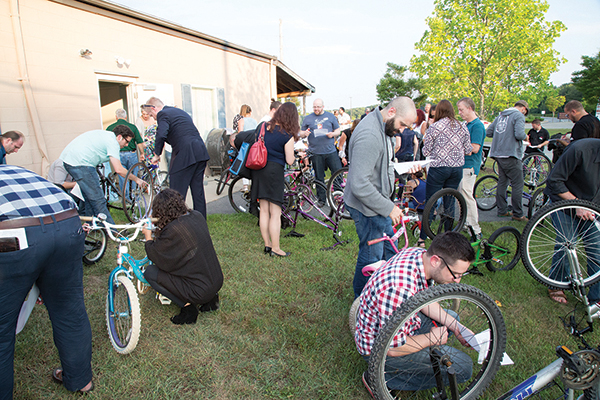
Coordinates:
[8,244]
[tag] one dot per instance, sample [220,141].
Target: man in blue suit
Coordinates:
[189,158]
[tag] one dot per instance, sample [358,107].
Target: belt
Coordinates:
[35,221]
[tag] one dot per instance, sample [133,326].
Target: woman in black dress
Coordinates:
[186,268]
[268,183]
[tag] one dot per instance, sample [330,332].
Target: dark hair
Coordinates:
[343,109]
[286,117]
[354,125]
[444,109]
[13,135]
[420,117]
[274,105]
[536,121]
[433,107]
[124,131]
[167,206]
[451,246]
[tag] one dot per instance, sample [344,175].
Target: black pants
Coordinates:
[151,276]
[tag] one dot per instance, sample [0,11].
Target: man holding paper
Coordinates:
[370,181]
[404,275]
[321,128]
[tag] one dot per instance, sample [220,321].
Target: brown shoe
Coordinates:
[506,214]
[523,218]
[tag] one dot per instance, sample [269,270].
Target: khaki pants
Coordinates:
[466,189]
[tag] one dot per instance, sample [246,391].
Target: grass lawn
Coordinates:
[281,331]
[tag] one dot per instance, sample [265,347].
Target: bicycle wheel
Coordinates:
[555,243]
[503,249]
[401,377]
[538,200]
[445,211]
[124,323]
[223,179]
[162,180]
[336,186]
[484,192]
[309,191]
[94,246]
[352,315]
[495,167]
[536,168]
[138,204]
[239,197]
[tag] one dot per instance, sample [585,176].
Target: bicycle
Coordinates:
[536,168]
[139,203]
[123,316]
[94,246]
[110,188]
[445,211]
[226,175]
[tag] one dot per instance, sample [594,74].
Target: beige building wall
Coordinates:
[65,86]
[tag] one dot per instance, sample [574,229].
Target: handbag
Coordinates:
[257,155]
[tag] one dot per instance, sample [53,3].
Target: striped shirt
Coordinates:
[26,194]
[391,285]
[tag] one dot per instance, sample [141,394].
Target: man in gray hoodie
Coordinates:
[371,180]
[508,131]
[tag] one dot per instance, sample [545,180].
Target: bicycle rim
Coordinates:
[485,192]
[336,186]
[124,323]
[476,311]
[240,197]
[555,233]
[538,200]
[504,249]
[445,211]
[536,168]
[94,246]
[137,204]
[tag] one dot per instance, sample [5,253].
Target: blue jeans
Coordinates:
[416,371]
[89,182]
[369,228]
[53,262]
[439,178]
[128,159]
[320,162]
[569,229]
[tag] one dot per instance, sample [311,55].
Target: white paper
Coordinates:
[320,132]
[483,340]
[19,233]
[403,167]
[76,191]
[27,307]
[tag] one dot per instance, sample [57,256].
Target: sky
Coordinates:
[342,47]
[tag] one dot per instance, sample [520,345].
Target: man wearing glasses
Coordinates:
[84,153]
[370,181]
[407,273]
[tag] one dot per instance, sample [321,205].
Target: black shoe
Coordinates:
[188,315]
[287,254]
[267,250]
[212,305]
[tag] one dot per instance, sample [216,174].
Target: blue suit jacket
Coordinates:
[176,127]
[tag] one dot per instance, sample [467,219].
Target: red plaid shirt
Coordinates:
[392,284]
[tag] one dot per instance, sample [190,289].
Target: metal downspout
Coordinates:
[24,78]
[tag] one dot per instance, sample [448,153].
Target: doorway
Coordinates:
[113,95]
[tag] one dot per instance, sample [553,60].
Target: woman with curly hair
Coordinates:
[268,183]
[186,268]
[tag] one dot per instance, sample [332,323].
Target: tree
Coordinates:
[495,51]
[393,85]
[588,81]
[570,92]
[553,102]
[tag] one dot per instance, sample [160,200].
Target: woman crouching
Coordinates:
[186,268]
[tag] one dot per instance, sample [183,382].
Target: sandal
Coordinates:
[421,243]
[558,296]
[57,377]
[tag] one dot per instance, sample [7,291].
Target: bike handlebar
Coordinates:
[146,222]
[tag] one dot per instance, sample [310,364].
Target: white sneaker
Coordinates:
[163,299]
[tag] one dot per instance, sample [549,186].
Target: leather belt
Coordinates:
[35,221]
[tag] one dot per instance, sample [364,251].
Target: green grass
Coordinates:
[281,331]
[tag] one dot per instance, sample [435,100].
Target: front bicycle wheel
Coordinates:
[124,322]
[484,192]
[222,182]
[413,376]
[536,168]
[309,191]
[336,186]
[557,246]
[538,200]
[503,249]
[137,199]
[352,315]
[94,246]
[445,211]
[240,195]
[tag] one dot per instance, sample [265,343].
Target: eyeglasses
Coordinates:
[454,275]
[147,106]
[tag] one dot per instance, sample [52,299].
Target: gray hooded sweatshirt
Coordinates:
[508,131]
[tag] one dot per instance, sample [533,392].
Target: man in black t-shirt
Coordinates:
[538,137]
[586,125]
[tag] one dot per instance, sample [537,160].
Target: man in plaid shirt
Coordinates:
[408,272]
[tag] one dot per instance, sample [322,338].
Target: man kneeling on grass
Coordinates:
[408,272]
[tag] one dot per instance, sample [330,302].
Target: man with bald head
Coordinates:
[10,142]
[321,128]
[371,181]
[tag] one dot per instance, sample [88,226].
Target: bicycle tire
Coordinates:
[352,315]
[238,198]
[543,245]
[94,246]
[139,203]
[476,310]
[336,185]
[536,168]
[495,167]
[504,247]
[125,323]
[484,192]
[449,215]
[114,192]
[222,182]
[538,200]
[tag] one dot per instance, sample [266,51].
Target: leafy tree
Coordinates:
[495,51]
[553,102]
[570,92]
[393,84]
[588,81]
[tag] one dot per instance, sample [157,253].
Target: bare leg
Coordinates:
[275,227]
[264,222]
